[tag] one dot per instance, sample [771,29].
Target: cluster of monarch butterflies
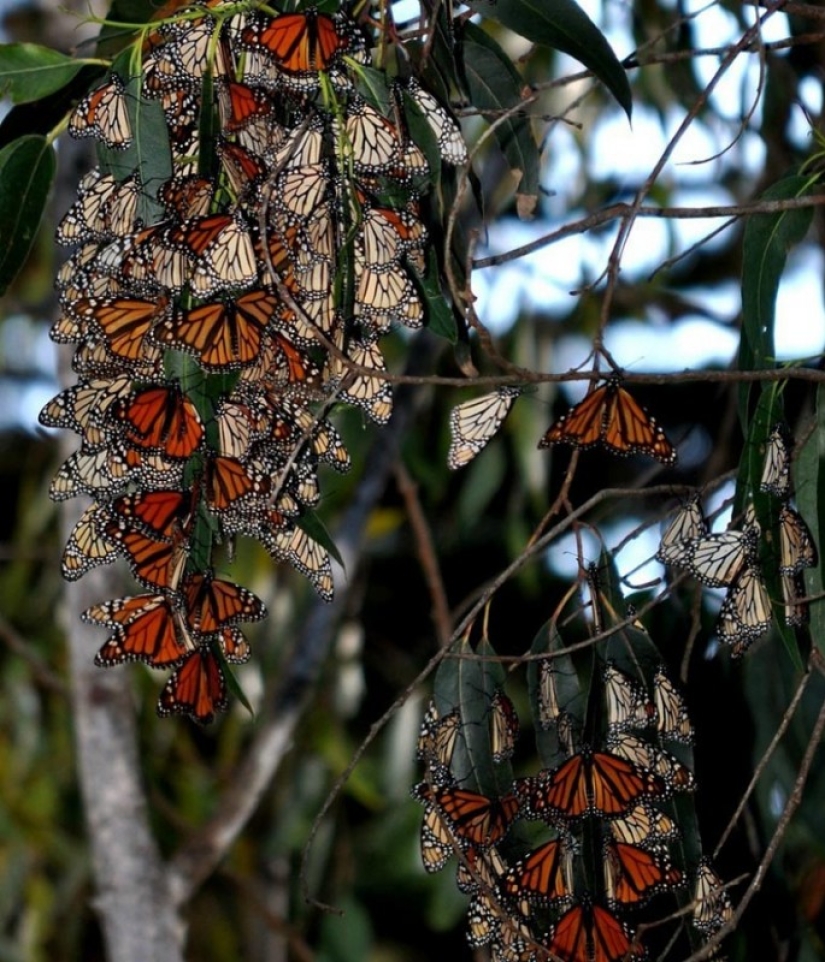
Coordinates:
[217,314]
[731,559]
[604,852]
[609,417]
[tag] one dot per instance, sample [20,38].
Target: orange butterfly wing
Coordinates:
[612,417]
[213,604]
[633,874]
[591,934]
[197,688]
[150,636]
[631,430]
[477,818]
[617,783]
[164,421]
[541,874]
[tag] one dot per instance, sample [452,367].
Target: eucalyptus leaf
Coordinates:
[495,87]
[564,26]
[27,169]
[29,72]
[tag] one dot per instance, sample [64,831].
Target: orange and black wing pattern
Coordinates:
[612,418]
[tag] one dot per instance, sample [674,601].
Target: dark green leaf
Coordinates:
[766,242]
[440,318]
[495,87]
[26,173]
[42,116]
[30,72]
[564,682]
[562,25]
[809,467]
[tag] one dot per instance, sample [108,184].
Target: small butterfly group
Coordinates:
[223,284]
[730,559]
[609,417]
[547,902]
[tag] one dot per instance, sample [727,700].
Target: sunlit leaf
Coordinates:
[30,72]
[767,240]
[564,26]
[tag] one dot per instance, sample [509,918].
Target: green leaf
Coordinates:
[29,72]
[27,169]
[440,319]
[765,245]
[557,720]
[495,86]
[562,25]
[809,467]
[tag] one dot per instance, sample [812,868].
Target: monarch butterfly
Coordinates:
[88,546]
[120,211]
[796,546]
[776,473]
[436,842]
[611,416]
[504,727]
[155,562]
[213,604]
[234,645]
[590,933]
[302,190]
[239,103]
[384,294]
[482,920]
[644,825]
[515,942]
[793,593]
[472,817]
[588,783]
[104,114]
[632,875]
[227,479]
[447,132]
[385,235]
[550,711]
[164,420]
[146,628]
[287,542]
[196,688]
[161,514]
[717,559]
[85,220]
[83,407]
[228,262]
[686,526]
[124,321]
[545,875]
[187,197]
[474,423]
[712,906]
[479,869]
[647,756]
[92,472]
[745,614]
[370,139]
[437,739]
[300,43]
[372,394]
[627,703]
[672,716]
[221,335]
[243,171]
